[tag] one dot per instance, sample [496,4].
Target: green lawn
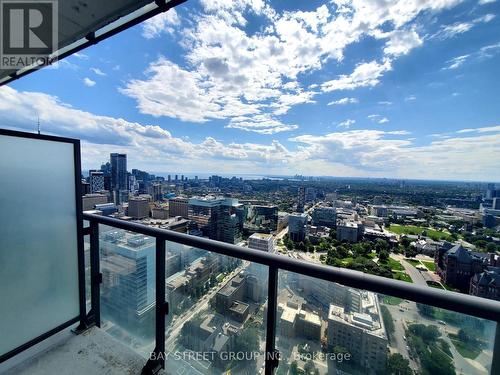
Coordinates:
[466,350]
[430,265]
[390,300]
[416,230]
[402,276]
[413,262]
[434,284]
[394,264]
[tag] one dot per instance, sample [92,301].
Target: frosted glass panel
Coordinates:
[38,239]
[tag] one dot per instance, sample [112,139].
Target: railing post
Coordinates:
[95,274]
[156,361]
[495,361]
[93,317]
[272,355]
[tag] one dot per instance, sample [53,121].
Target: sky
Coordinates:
[361,88]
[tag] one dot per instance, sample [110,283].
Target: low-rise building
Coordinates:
[350,231]
[457,265]
[295,321]
[160,212]
[486,284]
[90,200]
[138,207]
[261,241]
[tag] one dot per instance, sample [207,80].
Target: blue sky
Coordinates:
[380,88]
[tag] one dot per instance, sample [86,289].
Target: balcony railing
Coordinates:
[283,313]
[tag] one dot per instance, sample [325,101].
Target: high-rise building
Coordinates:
[156,191]
[85,187]
[491,192]
[301,199]
[297,227]
[216,217]
[496,203]
[178,207]
[138,207]
[325,216]
[96,180]
[360,331]
[118,175]
[261,218]
[331,197]
[128,288]
[310,194]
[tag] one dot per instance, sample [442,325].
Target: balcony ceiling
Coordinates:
[78,19]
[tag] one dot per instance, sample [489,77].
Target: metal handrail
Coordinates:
[466,304]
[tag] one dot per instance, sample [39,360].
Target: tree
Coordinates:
[398,365]
[425,310]
[309,367]
[383,256]
[491,247]
[294,368]
[388,322]
[381,245]
[247,341]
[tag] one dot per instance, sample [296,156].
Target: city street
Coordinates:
[415,274]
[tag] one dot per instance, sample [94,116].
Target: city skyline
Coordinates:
[335,89]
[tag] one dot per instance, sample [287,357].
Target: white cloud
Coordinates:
[385,102]
[81,56]
[88,82]
[378,118]
[450,31]
[344,101]
[261,126]
[378,152]
[484,2]
[351,152]
[489,50]
[364,75]
[148,146]
[410,98]
[163,22]
[401,42]
[489,129]
[346,124]
[456,62]
[98,71]
[231,73]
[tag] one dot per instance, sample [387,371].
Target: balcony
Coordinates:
[166,300]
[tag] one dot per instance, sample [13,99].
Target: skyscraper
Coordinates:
[297,227]
[216,217]
[118,174]
[301,199]
[96,179]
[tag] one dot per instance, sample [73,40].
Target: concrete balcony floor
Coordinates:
[92,352]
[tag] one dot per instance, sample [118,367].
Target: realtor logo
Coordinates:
[28,33]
